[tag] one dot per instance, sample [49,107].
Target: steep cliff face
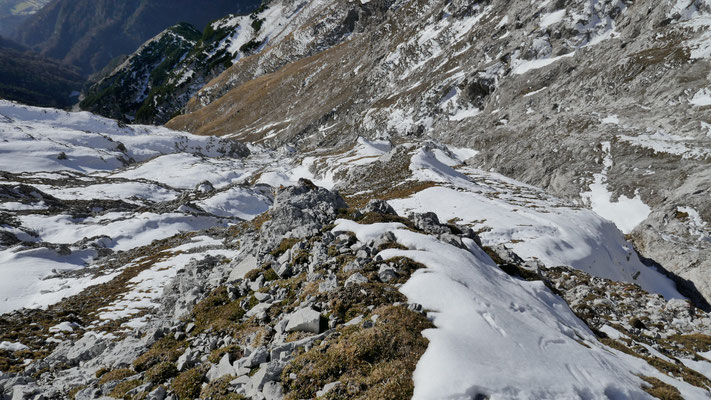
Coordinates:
[89,33]
[604,103]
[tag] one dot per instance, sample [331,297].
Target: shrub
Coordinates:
[187,385]
[161,372]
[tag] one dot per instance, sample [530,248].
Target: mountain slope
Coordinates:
[90,33]
[128,91]
[32,79]
[605,101]
[14,12]
[224,42]
[156,264]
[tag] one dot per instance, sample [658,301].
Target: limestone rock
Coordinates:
[304,320]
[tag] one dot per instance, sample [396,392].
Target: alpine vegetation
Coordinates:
[381,199]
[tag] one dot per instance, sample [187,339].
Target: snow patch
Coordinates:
[552,18]
[529,330]
[626,213]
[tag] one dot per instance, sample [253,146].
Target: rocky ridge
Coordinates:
[305,299]
[224,42]
[605,100]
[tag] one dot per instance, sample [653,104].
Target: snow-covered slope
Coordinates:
[76,187]
[134,242]
[489,325]
[603,103]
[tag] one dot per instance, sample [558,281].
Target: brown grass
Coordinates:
[401,191]
[661,390]
[370,363]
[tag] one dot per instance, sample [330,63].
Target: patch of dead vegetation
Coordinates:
[370,363]
[401,191]
[32,326]
[661,390]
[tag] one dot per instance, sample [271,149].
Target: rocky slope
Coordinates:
[385,199]
[128,92]
[603,103]
[90,33]
[139,262]
[224,42]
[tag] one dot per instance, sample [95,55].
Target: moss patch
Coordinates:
[73,391]
[161,372]
[166,349]
[220,390]
[233,350]
[285,245]
[120,390]
[116,375]
[352,301]
[698,343]
[217,312]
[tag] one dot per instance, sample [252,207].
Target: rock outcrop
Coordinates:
[602,103]
[273,336]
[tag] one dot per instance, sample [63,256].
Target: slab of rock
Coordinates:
[241,268]
[186,360]
[273,391]
[387,273]
[304,320]
[356,279]
[88,347]
[223,368]
[158,394]
[378,206]
[261,307]
[328,285]
[267,372]
[327,388]
[257,357]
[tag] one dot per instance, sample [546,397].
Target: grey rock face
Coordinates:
[429,222]
[378,206]
[304,320]
[301,210]
[88,347]
[387,274]
[157,394]
[255,358]
[540,101]
[268,372]
[356,279]
[185,360]
[223,368]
